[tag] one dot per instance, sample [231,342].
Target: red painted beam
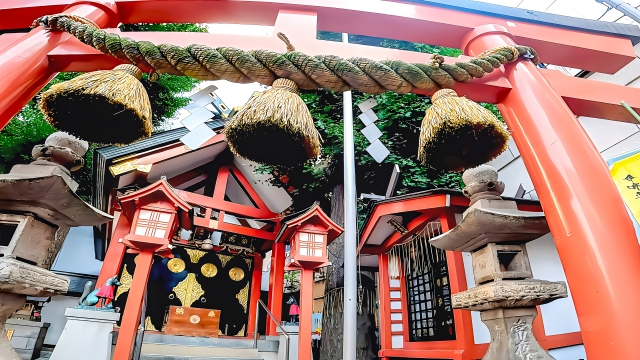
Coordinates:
[595,99]
[420,23]
[19,14]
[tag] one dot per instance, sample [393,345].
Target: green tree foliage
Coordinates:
[391,44]
[399,116]
[173,27]
[29,128]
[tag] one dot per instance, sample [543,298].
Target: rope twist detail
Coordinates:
[264,66]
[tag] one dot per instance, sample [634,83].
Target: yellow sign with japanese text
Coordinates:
[626,176]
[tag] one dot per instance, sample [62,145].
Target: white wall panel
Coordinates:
[481,333]
[53,313]
[513,175]
[502,160]
[628,144]
[624,76]
[606,133]
[569,353]
[77,254]
[559,316]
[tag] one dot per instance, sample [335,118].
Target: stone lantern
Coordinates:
[506,295]
[38,205]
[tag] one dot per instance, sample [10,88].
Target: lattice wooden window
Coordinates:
[152,223]
[429,304]
[311,244]
[427,284]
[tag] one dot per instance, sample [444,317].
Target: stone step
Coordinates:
[180,357]
[268,345]
[199,351]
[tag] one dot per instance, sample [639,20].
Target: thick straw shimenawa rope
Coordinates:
[308,72]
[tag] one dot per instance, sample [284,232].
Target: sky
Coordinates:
[238,94]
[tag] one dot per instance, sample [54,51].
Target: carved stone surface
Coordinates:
[55,246]
[509,294]
[497,262]
[482,226]
[512,336]
[45,191]
[61,149]
[30,241]
[482,183]
[20,278]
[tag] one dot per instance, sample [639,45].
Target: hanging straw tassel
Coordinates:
[458,134]
[275,127]
[110,107]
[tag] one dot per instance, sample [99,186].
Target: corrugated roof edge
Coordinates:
[631,32]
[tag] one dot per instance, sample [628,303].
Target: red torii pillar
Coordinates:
[33,59]
[581,203]
[276,285]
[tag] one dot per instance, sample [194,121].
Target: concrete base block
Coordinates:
[9,303]
[512,336]
[86,335]
[292,331]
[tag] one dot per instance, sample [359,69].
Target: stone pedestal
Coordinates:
[495,232]
[28,337]
[512,336]
[86,335]
[292,331]
[17,280]
[9,303]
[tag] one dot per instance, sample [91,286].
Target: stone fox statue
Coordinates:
[104,293]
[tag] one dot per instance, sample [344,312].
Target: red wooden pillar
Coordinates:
[256,282]
[133,307]
[385,302]
[115,252]
[24,66]
[595,238]
[457,278]
[306,314]
[276,285]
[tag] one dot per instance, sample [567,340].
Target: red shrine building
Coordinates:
[192,228]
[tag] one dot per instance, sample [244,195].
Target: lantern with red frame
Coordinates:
[309,245]
[155,213]
[309,234]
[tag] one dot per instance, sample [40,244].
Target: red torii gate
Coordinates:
[581,202]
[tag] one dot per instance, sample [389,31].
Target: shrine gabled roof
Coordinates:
[632,32]
[105,156]
[405,208]
[293,220]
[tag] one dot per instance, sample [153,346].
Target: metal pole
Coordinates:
[630,110]
[350,231]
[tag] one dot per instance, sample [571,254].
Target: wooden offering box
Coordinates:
[188,321]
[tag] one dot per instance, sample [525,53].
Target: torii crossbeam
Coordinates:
[592,230]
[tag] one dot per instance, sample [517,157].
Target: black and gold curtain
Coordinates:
[194,278]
